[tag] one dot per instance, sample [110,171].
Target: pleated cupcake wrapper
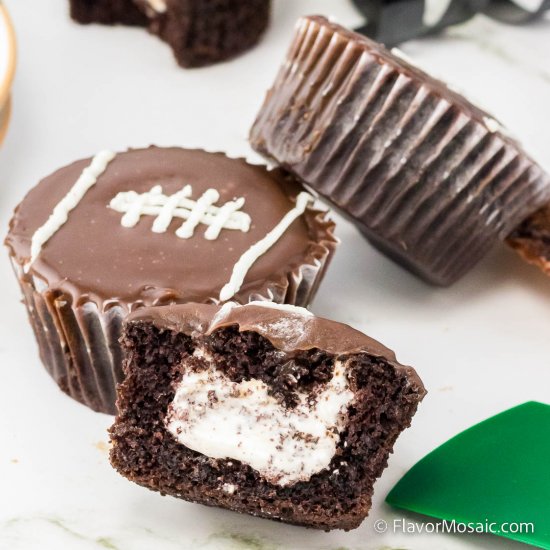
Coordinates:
[427,179]
[79,343]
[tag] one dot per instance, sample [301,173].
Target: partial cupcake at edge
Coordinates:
[430,179]
[104,236]
[531,239]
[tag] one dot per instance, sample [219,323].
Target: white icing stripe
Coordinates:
[180,205]
[228,420]
[248,259]
[208,198]
[135,209]
[225,213]
[163,220]
[60,213]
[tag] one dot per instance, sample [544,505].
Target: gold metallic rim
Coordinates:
[5,114]
[7,78]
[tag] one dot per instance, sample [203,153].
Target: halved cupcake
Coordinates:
[262,409]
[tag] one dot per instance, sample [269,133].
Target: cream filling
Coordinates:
[158,6]
[223,419]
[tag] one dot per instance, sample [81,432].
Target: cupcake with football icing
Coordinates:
[104,236]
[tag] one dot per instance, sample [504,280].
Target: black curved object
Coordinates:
[509,12]
[395,21]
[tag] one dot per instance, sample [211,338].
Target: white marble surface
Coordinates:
[481,346]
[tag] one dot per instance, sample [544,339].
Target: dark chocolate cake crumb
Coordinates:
[107,12]
[247,355]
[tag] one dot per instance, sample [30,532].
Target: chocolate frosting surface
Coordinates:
[92,256]
[289,330]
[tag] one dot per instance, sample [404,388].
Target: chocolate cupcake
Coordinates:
[107,12]
[262,409]
[532,239]
[429,178]
[104,236]
[200,32]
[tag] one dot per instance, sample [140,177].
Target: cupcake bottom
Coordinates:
[79,343]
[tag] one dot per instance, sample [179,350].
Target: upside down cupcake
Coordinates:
[104,236]
[430,179]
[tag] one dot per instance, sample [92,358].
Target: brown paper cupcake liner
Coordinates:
[429,178]
[79,343]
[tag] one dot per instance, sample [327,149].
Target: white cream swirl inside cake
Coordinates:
[223,419]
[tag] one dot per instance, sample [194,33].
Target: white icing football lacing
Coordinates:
[180,205]
[208,198]
[163,220]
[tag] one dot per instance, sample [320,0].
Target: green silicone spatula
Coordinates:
[496,471]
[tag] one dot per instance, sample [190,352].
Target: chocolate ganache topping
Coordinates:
[288,328]
[128,240]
